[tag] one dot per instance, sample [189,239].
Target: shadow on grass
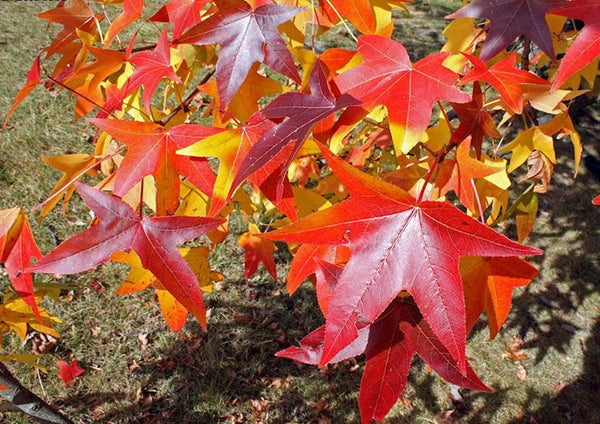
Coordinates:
[230,373]
[555,316]
[577,401]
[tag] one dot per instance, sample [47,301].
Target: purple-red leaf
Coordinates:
[246,36]
[398,334]
[154,239]
[302,111]
[510,19]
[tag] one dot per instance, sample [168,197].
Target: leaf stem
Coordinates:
[476,193]
[66,87]
[185,104]
[438,158]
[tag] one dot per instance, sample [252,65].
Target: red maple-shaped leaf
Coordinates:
[258,250]
[33,79]
[68,372]
[246,36]
[154,239]
[302,111]
[503,76]
[151,150]
[151,67]
[17,247]
[388,78]
[398,334]
[475,121]
[510,19]
[397,244]
[182,13]
[587,44]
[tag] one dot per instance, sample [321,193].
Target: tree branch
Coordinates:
[27,401]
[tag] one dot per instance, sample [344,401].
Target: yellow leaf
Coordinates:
[72,165]
[463,36]
[525,143]
[139,279]
[24,358]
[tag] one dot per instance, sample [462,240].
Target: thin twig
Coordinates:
[186,103]
[83,96]
[438,158]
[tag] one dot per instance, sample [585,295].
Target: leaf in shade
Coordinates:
[510,19]
[258,250]
[475,121]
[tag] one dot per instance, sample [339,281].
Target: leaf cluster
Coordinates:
[384,177]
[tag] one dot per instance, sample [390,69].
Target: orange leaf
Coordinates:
[488,284]
[258,250]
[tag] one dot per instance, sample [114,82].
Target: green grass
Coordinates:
[224,374]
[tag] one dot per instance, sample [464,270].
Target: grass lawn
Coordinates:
[138,371]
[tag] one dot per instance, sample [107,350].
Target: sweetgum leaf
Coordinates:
[246,36]
[154,239]
[151,67]
[504,77]
[301,112]
[509,19]
[397,244]
[17,247]
[587,44]
[182,13]
[398,334]
[152,151]
[388,78]
[67,371]
[489,283]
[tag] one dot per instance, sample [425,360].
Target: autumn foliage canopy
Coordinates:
[385,176]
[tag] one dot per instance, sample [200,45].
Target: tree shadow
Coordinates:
[578,400]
